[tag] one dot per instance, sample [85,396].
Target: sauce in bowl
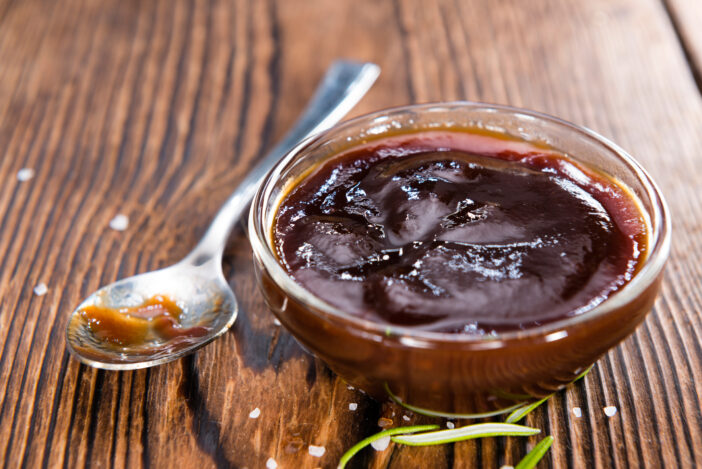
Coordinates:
[459,232]
[460,258]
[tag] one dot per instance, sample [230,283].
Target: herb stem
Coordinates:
[522,412]
[367,441]
[469,432]
[432,413]
[534,456]
[584,373]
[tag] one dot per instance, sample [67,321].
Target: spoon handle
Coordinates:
[344,84]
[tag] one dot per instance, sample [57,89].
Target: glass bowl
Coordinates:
[451,374]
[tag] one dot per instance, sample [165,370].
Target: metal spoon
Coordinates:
[196,283]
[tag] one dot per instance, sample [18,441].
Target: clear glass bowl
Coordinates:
[447,373]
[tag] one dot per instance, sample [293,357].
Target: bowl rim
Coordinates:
[659,238]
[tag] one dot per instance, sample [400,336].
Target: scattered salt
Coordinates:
[406,418]
[316,451]
[255,413]
[507,467]
[450,425]
[610,411]
[381,444]
[384,422]
[577,412]
[40,289]
[271,464]
[119,222]
[25,174]
[353,406]
[276,322]
[350,387]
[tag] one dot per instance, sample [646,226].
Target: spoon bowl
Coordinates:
[205,306]
[201,292]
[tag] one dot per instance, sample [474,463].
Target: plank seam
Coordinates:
[679,35]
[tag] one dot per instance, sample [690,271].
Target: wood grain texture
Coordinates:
[686,16]
[156,109]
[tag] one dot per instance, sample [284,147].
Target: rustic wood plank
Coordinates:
[156,109]
[686,16]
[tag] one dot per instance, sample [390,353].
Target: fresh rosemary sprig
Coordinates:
[422,435]
[410,436]
[367,441]
[584,373]
[432,413]
[522,412]
[469,432]
[534,456]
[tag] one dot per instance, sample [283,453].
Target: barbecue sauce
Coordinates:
[462,232]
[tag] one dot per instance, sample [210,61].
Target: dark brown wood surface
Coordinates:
[155,109]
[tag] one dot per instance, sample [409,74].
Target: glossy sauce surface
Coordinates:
[153,322]
[459,232]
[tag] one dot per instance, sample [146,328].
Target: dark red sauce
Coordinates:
[154,321]
[459,232]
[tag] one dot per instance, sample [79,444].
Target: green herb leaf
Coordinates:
[367,441]
[478,430]
[432,413]
[535,455]
[584,373]
[522,412]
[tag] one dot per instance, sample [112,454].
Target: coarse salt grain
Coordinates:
[577,412]
[381,444]
[40,289]
[406,418]
[610,411]
[25,174]
[450,425]
[271,464]
[255,413]
[353,406]
[276,322]
[316,451]
[507,467]
[350,387]
[384,422]
[120,222]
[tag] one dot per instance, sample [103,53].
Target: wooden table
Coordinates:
[155,109]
